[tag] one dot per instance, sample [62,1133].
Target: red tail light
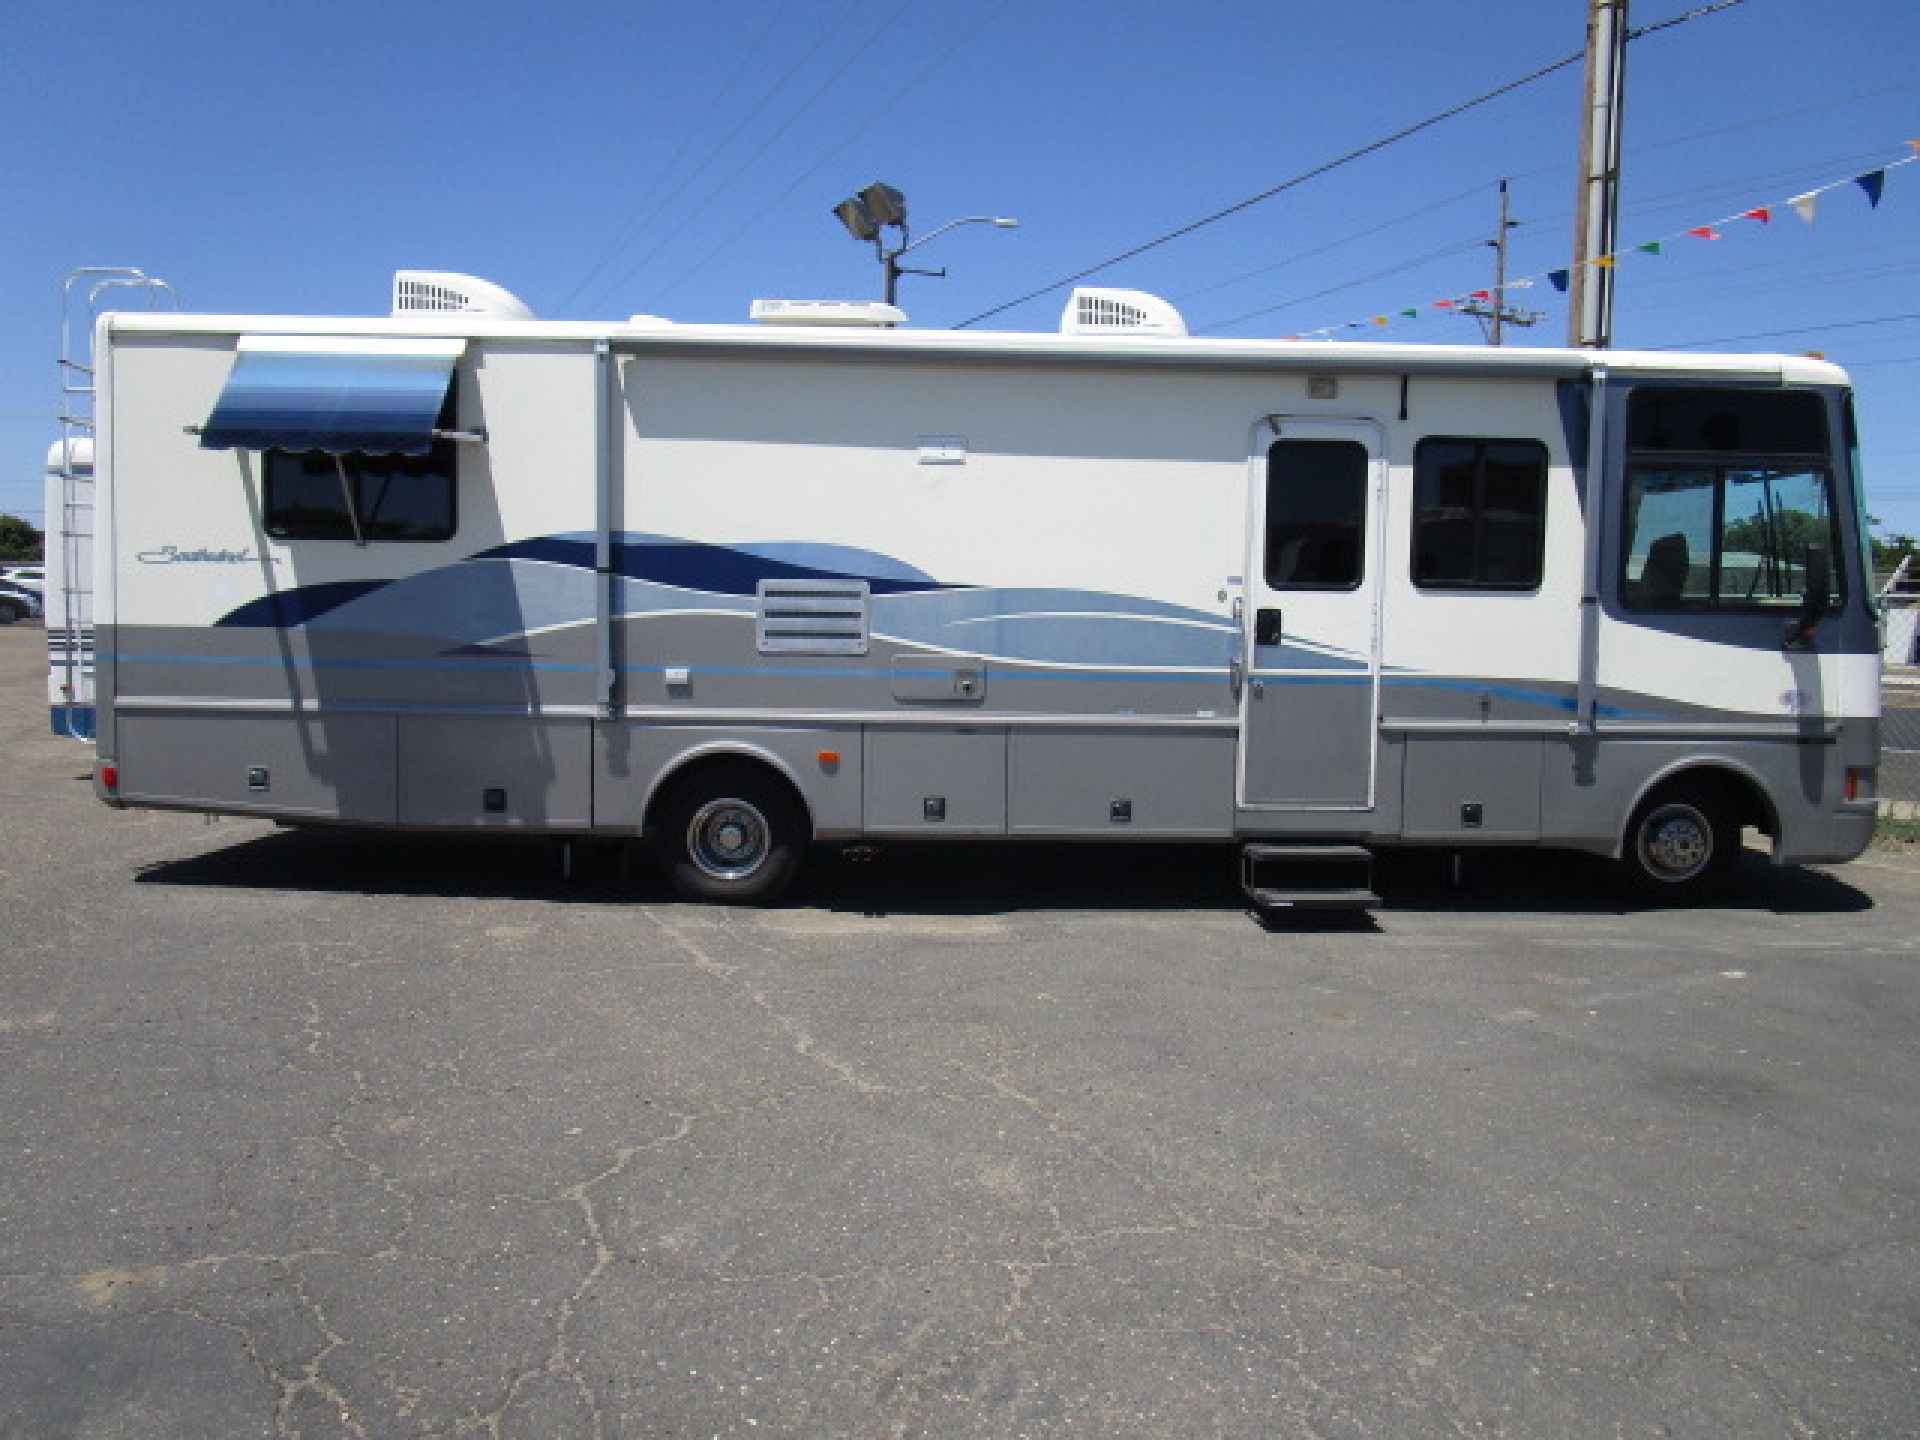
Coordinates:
[109,774]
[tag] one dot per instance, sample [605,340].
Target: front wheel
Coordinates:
[1679,842]
[735,835]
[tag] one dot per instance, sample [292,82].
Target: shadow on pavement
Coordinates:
[961,879]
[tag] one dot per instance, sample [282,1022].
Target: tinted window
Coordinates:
[1316,514]
[397,497]
[1717,537]
[1726,422]
[1479,518]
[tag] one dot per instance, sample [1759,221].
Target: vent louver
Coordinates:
[442,292]
[812,617]
[1119,312]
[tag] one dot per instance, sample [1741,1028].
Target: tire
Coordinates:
[10,612]
[1679,845]
[733,834]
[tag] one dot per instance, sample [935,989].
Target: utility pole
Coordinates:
[1498,315]
[1597,205]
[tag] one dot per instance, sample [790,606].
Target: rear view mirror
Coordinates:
[1815,603]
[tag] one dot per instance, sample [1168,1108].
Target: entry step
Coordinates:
[1308,876]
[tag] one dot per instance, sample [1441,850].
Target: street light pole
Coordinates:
[867,214]
[890,259]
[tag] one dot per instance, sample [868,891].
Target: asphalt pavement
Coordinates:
[322,1135]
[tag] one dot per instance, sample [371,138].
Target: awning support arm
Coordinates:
[352,503]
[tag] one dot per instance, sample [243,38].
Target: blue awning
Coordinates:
[334,393]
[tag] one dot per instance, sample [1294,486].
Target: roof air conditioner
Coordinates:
[442,292]
[1119,312]
[73,455]
[827,312]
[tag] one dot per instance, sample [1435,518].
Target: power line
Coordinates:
[1800,330]
[713,194]
[1695,14]
[1441,253]
[1338,162]
[913,85]
[1280,189]
[637,223]
[650,205]
[1318,250]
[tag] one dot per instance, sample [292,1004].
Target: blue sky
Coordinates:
[606,157]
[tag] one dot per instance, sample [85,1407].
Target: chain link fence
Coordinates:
[1900,743]
[1900,703]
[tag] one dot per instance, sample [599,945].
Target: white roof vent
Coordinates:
[442,292]
[1119,312]
[827,312]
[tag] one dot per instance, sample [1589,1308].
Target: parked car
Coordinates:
[32,577]
[17,602]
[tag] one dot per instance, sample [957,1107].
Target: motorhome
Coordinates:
[742,589]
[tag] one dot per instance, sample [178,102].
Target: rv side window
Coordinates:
[1730,500]
[1692,420]
[1479,520]
[1725,537]
[393,497]
[1316,514]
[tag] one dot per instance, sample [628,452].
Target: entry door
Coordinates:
[1309,701]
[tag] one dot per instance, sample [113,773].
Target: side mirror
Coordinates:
[1815,604]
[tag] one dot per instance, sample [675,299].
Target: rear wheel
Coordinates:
[1679,843]
[10,611]
[733,834]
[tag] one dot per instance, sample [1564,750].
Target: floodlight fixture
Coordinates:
[857,219]
[885,204]
[879,205]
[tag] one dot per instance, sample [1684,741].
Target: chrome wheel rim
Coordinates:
[1676,843]
[728,839]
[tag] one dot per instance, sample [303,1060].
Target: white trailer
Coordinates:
[743,588]
[68,593]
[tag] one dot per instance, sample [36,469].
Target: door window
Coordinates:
[1316,514]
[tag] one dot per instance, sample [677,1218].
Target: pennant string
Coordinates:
[1873,182]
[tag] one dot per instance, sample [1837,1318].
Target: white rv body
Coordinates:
[937,584]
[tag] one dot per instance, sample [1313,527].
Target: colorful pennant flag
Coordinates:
[1806,206]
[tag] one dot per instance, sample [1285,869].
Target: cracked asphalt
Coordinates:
[322,1135]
